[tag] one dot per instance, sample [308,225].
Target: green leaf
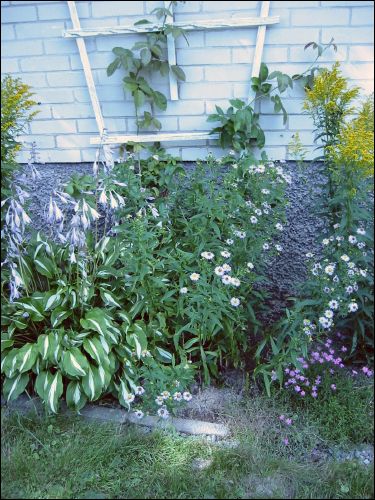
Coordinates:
[75,396]
[26,357]
[58,315]
[93,346]
[92,383]
[15,386]
[180,74]
[142,21]
[139,98]
[160,100]
[113,66]
[75,363]
[164,355]
[47,345]
[263,72]
[45,266]
[237,103]
[53,391]
[145,56]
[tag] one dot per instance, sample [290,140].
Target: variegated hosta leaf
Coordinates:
[42,381]
[26,357]
[75,363]
[75,396]
[15,386]
[52,301]
[53,391]
[109,299]
[92,383]
[105,376]
[93,346]
[6,342]
[8,363]
[47,345]
[30,306]
[58,315]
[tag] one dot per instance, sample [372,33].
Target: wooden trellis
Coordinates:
[214,24]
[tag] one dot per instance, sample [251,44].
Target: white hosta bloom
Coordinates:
[112,201]
[139,414]
[227,268]
[229,241]
[353,307]
[345,258]
[352,239]
[330,269]
[279,226]
[325,241]
[72,258]
[225,254]
[195,276]
[103,197]
[183,290]
[328,314]
[187,396]
[333,304]
[253,219]
[177,396]
[219,271]
[266,246]
[139,390]
[207,255]
[163,413]
[235,302]
[250,265]
[226,279]
[94,214]
[235,282]
[361,231]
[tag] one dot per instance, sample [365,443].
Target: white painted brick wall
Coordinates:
[217,66]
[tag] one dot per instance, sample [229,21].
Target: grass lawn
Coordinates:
[57,457]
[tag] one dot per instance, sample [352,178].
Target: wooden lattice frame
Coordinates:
[80,33]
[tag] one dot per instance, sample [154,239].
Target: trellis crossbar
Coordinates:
[80,33]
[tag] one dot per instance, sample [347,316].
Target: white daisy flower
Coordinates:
[330,269]
[187,396]
[219,271]
[163,413]
[235,282]
[258,211]
[336,279]
[325,322]
[326,289]
[349,289]
[235,302]
[139,414]
[129,398]
[361,231]
[227,268]
[279,226]
[139,390]
[363,272]
[266,246]
[265,191]
[279,248]
[183,290]
[260,169]
[253,219]
[352,239]
[328,314]
[195,276]
[306,322]
[229,241]
[250,265]
[353,307]
[361,245]
[309,255]
[333,304]
[325,241]
[177,396]
[345,258]
[225,254]
[226,279]
[159,400]
[165,394]
[207,255]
